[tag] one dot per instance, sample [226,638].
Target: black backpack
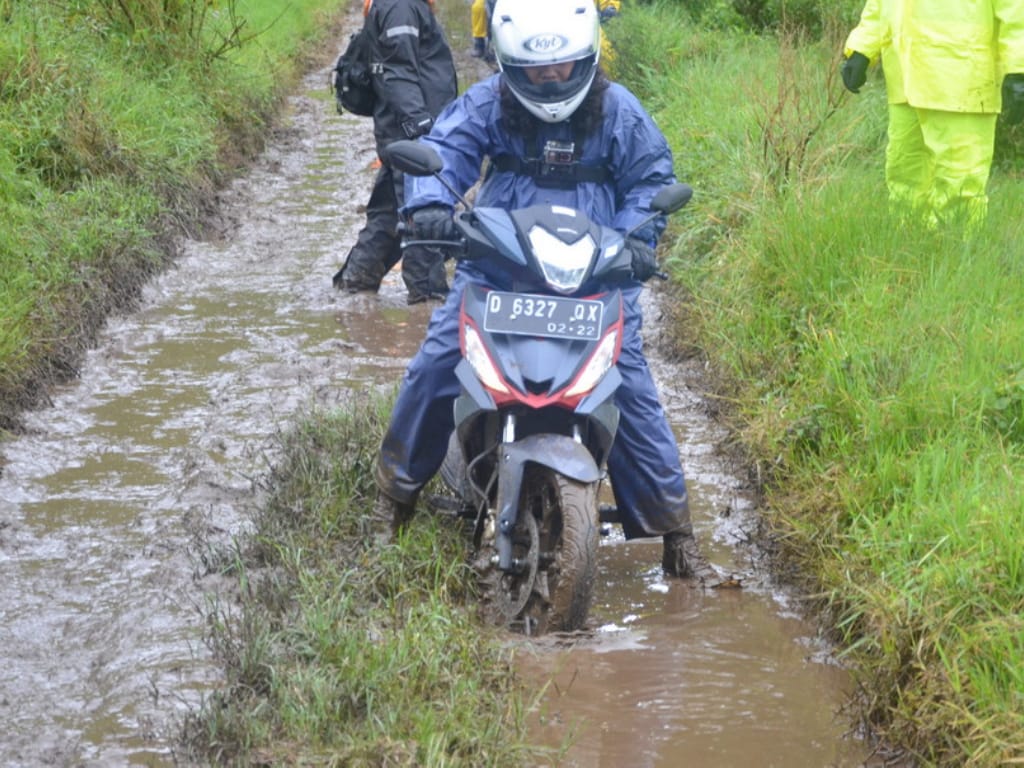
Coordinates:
[353,88]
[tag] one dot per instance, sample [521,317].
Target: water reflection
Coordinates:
[675,675]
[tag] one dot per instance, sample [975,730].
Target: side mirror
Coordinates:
[412,157]
[671,198]
[668,200]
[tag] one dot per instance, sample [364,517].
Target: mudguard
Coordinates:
[557,452]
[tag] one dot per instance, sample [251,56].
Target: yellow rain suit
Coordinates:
[944,63]
[607,51]
[478,18]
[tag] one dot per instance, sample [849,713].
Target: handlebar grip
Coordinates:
[456,249]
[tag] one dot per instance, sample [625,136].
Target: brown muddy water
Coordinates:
[175,418]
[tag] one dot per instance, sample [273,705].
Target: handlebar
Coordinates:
[453,244]
[404,229]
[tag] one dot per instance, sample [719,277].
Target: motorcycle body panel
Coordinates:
[537,387]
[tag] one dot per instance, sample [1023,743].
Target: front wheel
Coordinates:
[557,534]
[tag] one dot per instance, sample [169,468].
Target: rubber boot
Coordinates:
[423,272]
[683,559]
[352,278]
[479,47]
[389,517]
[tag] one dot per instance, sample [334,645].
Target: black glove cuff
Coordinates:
[433,222]
[413,129]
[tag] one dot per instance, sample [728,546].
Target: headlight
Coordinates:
[597,366]
[481,362]
[564,265]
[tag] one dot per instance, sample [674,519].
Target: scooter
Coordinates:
[535,418]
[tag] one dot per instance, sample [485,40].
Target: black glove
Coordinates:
[645,265]
[1013,97]
[608,13]
[433,222]
[855,71]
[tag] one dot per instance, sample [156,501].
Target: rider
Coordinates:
[550,100]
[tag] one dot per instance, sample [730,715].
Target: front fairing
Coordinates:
[545,249]
[542,379]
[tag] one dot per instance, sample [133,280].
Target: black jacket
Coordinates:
[412,68]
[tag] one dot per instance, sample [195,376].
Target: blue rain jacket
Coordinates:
[629,145]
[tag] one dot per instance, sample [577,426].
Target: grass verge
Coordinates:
[117,122]
[342,651]
[872,366]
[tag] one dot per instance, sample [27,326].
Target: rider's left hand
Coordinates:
[642,258]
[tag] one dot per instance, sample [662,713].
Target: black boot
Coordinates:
[479,47]
[352,278]
[389,517]
[682,557]
[415,297]
[424,275]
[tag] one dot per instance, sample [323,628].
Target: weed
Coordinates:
[349,652]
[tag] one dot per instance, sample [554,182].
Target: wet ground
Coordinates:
[176,417]
[675,675]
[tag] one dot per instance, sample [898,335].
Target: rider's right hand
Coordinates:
[433,222]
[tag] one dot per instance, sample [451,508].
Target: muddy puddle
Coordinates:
[176,415]
[675,675]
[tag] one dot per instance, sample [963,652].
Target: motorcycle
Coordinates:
[535,418]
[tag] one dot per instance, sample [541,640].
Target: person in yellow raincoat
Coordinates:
[479,19]
[478,25]
[608,9]
[949,67]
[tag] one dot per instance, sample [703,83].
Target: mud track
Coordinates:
[161,444]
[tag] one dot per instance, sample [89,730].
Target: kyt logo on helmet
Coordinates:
[545,43]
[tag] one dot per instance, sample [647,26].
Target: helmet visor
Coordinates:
[550,91]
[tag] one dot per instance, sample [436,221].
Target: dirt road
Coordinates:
[173,423]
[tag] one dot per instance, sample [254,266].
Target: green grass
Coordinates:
[345,651]
[116,121]
[874,369]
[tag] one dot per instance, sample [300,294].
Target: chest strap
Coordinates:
[545,174]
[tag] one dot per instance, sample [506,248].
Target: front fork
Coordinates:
[560,453]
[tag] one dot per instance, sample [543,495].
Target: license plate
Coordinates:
[552,316]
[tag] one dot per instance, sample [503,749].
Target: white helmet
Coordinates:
[530,33]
